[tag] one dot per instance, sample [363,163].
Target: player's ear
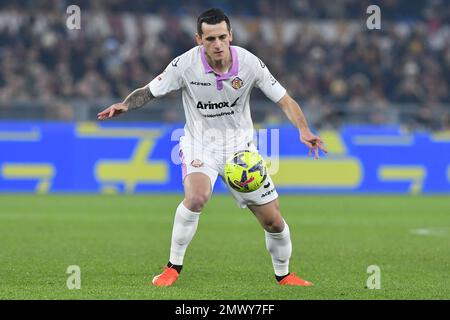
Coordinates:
[198,38]
[231,34]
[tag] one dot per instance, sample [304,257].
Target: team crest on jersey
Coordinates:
[237,83]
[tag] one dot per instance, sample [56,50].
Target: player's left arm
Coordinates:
[295,114]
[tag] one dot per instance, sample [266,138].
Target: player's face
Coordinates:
[216,40]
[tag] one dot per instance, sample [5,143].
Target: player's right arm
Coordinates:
[134,100]
[168,81]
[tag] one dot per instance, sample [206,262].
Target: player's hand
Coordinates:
[313,142]
[112,111]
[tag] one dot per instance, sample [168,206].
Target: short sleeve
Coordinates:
[267,82]
[169,80]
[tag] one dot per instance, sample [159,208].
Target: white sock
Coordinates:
[280,248]
[184,227]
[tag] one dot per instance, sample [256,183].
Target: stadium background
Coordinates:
[379,98]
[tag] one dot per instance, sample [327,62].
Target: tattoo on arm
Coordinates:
[138,98]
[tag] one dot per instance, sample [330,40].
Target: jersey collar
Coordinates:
[220,77]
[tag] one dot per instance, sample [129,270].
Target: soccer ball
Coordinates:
[245,171]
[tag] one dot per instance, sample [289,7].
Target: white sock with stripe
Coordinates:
[280,248]
[184,227]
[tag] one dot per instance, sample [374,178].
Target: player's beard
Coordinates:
[222,59]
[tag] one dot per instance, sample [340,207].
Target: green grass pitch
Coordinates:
[121,242]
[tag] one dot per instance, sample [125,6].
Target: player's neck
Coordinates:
[220,66]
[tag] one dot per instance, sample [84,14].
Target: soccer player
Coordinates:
[216,80]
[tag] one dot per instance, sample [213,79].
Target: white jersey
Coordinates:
[217,106]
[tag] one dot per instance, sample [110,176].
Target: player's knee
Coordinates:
[195,202]
[274,226]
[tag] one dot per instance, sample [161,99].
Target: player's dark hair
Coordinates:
[212,16]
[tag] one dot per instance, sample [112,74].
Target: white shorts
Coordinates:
[197,159]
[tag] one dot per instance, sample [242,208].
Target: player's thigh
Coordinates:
[199,175]
[197,184]
[269,215]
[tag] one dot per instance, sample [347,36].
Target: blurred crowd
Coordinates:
[321,51]
[397,10]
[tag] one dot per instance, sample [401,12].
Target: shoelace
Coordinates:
[292,274]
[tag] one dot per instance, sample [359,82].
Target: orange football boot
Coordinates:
[292,280]
[166,278]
